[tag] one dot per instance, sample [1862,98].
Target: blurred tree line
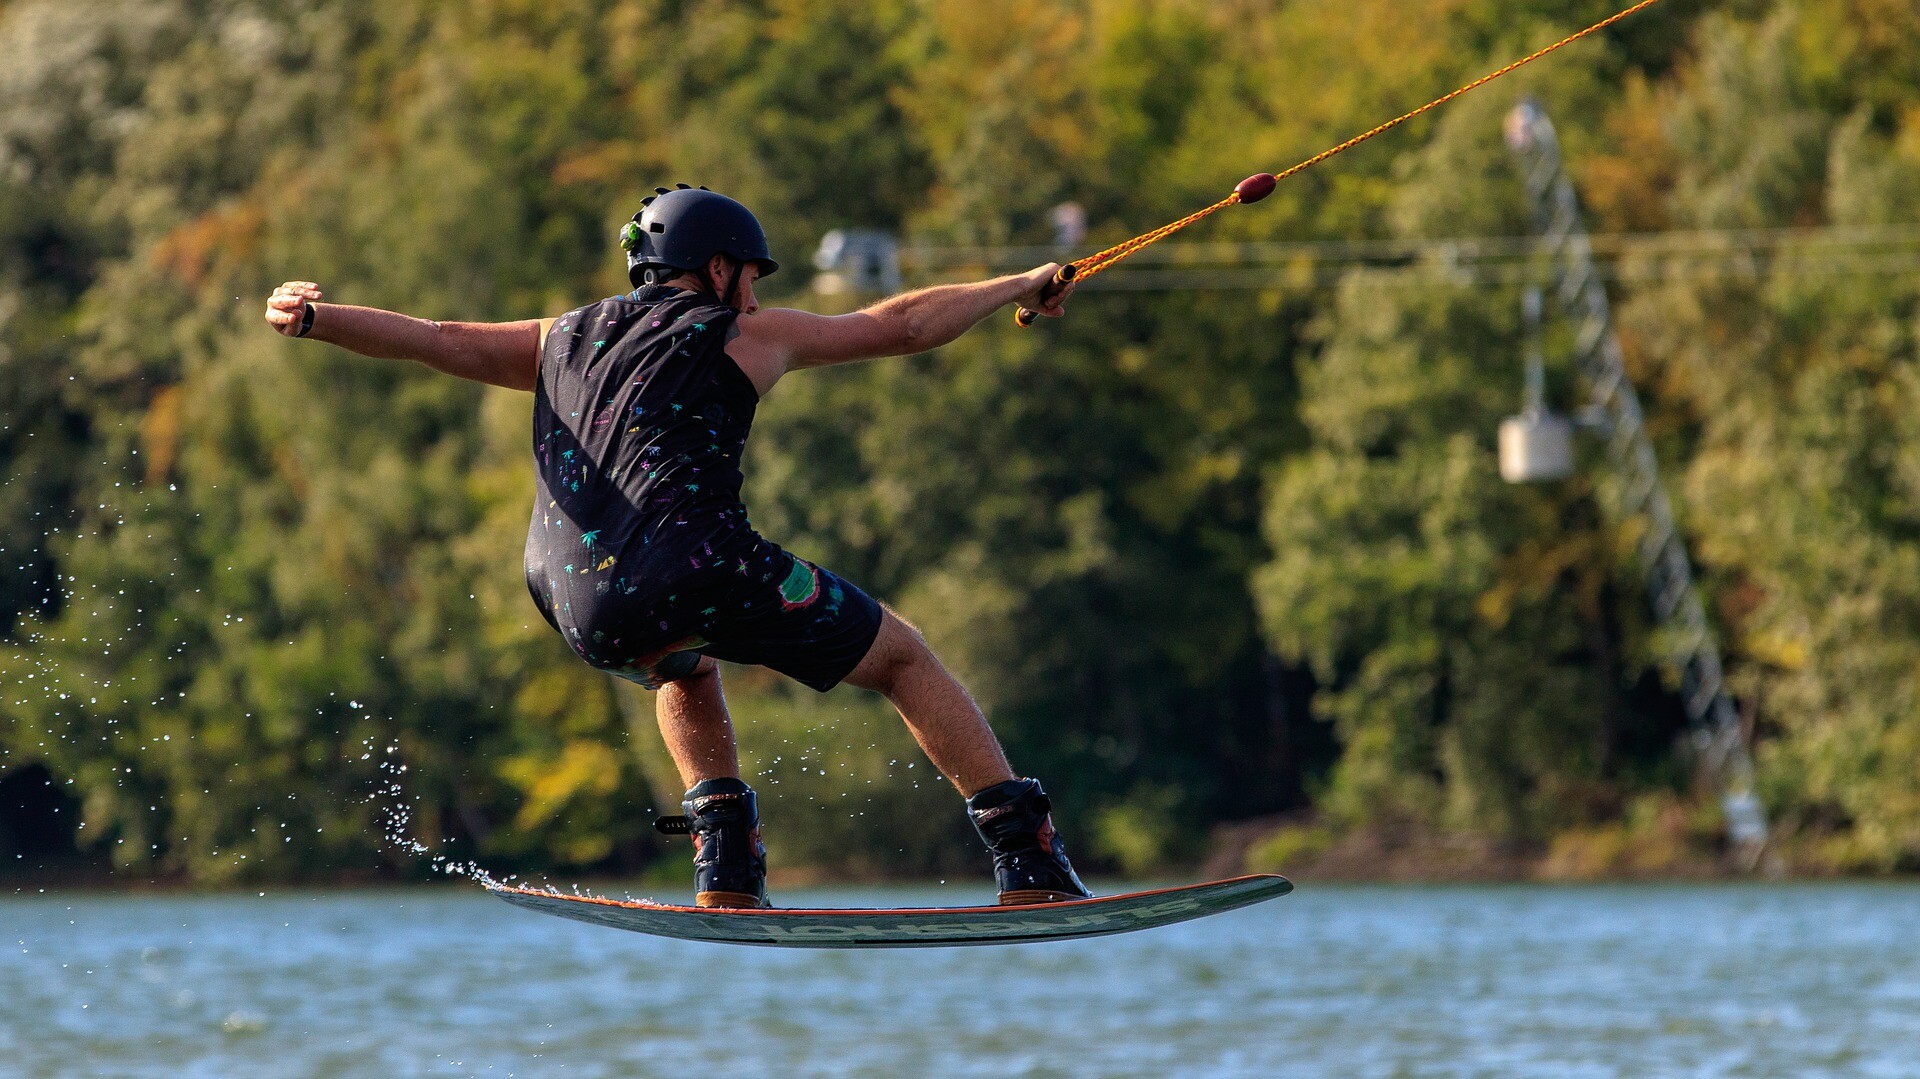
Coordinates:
[1207,556]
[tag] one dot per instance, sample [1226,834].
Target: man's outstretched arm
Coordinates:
[498,353]
[778,340]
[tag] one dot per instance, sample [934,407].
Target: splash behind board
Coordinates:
[911,928]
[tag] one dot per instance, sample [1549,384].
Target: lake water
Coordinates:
[1730,980]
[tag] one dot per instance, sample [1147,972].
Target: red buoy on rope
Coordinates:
[1261,184]
[1255,187]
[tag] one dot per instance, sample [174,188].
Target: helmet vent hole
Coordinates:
[656,226]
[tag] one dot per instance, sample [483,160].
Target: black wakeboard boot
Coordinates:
[729,862]
[1030,865]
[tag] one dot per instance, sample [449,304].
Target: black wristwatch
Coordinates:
[306,321]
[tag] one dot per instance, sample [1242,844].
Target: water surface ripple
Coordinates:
[1574,982]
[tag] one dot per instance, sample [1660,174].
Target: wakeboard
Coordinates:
[926,927]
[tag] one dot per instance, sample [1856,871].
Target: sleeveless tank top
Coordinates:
[639,422]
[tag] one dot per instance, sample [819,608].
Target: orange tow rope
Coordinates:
[1259,186]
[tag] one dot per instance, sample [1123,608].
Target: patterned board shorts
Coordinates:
[804,621]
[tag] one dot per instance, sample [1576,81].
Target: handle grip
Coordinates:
[1061,279]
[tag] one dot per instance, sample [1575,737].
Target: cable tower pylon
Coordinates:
[1574,282]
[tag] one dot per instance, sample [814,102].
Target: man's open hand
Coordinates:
[287,306]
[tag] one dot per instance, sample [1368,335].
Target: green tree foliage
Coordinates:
[1204,555]
[1794,385]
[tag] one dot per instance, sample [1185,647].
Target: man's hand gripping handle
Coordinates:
[1061,279]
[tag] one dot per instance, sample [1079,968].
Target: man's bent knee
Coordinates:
[682,672]
[897,649]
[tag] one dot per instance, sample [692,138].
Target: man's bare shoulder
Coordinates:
[805,339]
[774,324]
[758,345]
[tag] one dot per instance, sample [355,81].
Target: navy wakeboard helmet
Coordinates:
[679,230]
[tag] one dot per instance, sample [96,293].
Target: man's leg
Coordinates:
[696,727]
[1013,816]
[938,710]
[729,862]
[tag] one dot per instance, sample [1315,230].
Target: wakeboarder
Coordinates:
[639,552]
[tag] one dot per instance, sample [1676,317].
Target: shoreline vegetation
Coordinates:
[1225,553]
[1302,851]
